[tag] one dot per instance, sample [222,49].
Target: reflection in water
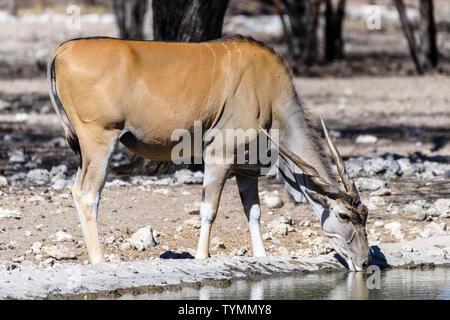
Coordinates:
[395,284]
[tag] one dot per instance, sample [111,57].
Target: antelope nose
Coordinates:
[365,264]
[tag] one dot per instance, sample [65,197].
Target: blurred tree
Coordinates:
[12,7]
[424,52]
[167,16]
[334,18]
[188,20]
[130,18]
[302,36]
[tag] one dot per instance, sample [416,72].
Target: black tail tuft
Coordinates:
[69,130]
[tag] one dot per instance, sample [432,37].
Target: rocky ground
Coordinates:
[392,130]
[142,217]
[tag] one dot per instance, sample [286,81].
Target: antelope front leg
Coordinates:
[248,190]
[214,180]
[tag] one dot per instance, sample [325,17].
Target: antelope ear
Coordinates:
[316,197]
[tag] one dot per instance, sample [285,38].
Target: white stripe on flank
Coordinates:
[213,73]
[229,59]
[240,55]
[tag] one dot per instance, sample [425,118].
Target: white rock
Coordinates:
[420,216]
[433,230]
[58,252]
[62,236]
[19,259]
[309,233]
[413,208]
[188,177]
[17,156]
[355,166]
[369,184]
[38,177]
[369,204]
[281,230]
[36,198]
[58,170]
[366,138]
[378,224]
[117,183]
[273,201]
[112,258]
[378,201]
[36,247]
[47,263]
[179,229]
[304,223]
[162,191]
[143,239]
[395,228]
[6,213]
[406,167]
[109,240]
[381,192]
[3,181]
[392,208]
[60,184]
[242,251]
[283,251]
[440,208]
[280,220]
[126,246]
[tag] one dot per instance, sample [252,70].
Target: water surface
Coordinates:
[393,284]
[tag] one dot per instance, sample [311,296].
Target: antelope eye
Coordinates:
[344,216]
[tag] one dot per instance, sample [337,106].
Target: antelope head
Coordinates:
[343,216]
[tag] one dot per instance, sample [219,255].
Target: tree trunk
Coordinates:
[428,34]
[333,30]
[302,36]
[130,18]
[167,17]
[424,54]
[12,7]
[188,20]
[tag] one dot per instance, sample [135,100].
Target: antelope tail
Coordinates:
[69,130]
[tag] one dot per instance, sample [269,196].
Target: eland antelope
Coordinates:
[107,90]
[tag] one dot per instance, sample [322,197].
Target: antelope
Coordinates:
[107,90]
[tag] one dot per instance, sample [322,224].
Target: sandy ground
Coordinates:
[407,114]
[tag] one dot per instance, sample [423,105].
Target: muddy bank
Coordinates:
[113,279]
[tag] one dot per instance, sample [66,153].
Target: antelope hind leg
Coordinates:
[214,180]
[88,186]
[248,190]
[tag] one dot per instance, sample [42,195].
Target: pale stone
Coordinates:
[62,236]
[366,138]
[395,228]
[58,252]
[273,201]
[6,213]
[143,239]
